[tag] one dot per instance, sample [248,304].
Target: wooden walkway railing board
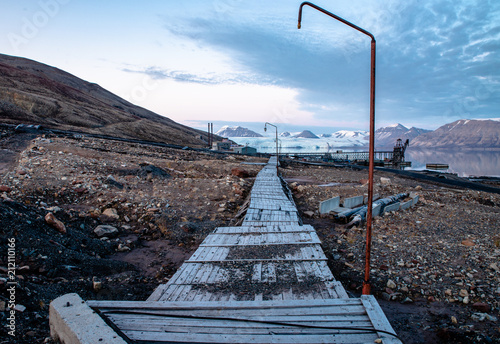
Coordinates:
[324,321]
[266,281]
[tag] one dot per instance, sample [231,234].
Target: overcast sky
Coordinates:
[245,62]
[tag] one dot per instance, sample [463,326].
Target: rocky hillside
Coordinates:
[462,134]
[227,131]
[35,93]
[387,136]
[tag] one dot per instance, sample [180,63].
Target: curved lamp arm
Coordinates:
[366,282]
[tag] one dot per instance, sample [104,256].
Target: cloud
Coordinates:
[158,73]
[429,56]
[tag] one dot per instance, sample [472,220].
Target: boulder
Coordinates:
[240,173]
[55,223]
[111,213]
[106,231]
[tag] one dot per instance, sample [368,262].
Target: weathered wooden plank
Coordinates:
[257,273]
[229,306]
[157,293]
[188,274]
[378,319]
[269,273]
[259,260]
[339,337]
[152,324]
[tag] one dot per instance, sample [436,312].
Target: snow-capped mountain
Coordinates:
[463,133]
[227,131]
[349,138]
[306,134]
[285,134]
[387,136]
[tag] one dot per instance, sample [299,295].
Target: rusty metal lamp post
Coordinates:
[366,282]
[277,154]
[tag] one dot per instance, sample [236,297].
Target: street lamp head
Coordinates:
[265,128]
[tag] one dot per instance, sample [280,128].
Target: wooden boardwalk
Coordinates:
[266,281]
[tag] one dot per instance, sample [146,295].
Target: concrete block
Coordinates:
[375,197]
[330,204]
[414,200]
[405,205]
[72,321]
[353,202]
[391,207]
[376,210]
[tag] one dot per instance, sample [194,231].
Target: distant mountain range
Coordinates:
[35,93]
[227,131]
[387,136]
[462,134]
[459,134]
[306,134]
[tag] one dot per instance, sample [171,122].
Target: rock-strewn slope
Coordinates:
[35,93]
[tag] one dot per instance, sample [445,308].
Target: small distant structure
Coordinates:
[398,157]
[246,150]
[437,166]
[224,145]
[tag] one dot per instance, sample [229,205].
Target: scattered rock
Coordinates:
[240,173]
[81,190]
[5,188]
[55,223]
[385,181]
[123,248]
[19,308]
[463,293]
[391,284]
[106,231]
[468,242]
[111,213]
[454,320]
[151,171]
[481,307]
[309,213]
[483,317]
[96,284]
[110,180]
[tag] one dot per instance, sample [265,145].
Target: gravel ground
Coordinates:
[161,203]
[435,267]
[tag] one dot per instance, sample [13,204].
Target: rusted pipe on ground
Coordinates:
[366,282]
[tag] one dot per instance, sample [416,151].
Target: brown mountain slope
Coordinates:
[35,93]
[462,134]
